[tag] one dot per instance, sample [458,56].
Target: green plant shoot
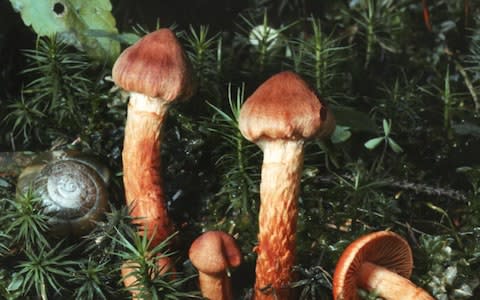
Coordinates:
[373,143]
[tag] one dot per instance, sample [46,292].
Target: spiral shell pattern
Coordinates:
[74,194]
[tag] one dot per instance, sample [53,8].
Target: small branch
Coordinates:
[466,78]
[418,188]
[469,84]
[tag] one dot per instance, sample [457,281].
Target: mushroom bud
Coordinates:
[379,262]
[279,117]
[156,73]
[213,254]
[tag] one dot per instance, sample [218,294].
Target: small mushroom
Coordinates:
[379,262]
[156,73]
[213,254]
[279,117]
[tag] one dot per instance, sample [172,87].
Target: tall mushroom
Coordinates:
[380,262]
[213,253]
[156,73]
[279,116]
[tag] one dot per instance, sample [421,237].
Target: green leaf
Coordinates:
[77,22]
[373,143]
[341,134]
[15,283]
[386,127]
[4,183]
[126,38]
[394,146]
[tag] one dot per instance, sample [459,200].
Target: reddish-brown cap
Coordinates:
[214,251]
[155,66]
[284,107]
[382,248]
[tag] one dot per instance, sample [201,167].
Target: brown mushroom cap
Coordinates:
[155,66]
[383,248]
[283,107]
[214,251]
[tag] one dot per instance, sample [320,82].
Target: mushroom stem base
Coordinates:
[215,287]
[130,270]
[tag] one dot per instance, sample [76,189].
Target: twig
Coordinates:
[469,84]
[467,80]
[418,188]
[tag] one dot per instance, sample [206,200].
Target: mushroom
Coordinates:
[213,254]
[156,73]
[279,117]
[379,262]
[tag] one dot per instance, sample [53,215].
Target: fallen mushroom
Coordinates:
[156,73]
[379,262]
[279,116]
[213,254]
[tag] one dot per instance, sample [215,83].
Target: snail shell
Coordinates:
[73,189]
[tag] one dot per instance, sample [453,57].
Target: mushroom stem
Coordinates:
[129,272]
[142,166]
[389,285]
[215,287]
[279,189]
